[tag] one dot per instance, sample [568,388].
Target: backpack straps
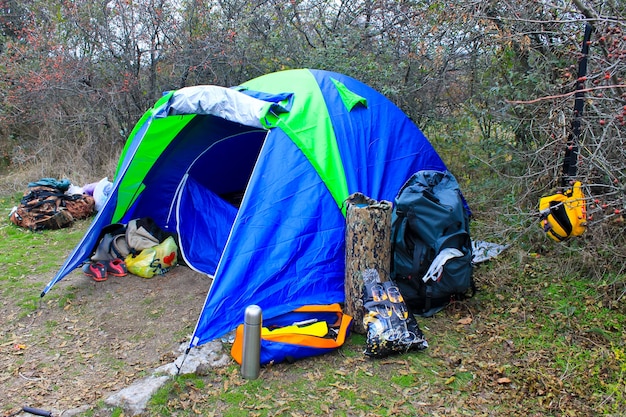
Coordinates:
[396,230]
[571,150]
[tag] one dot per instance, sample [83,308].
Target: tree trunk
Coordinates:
[368,246]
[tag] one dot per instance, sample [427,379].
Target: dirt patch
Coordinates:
[90,339]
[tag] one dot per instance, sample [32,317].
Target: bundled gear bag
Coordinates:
[391,327]
[112,243]
[431,244]
[144,233]
[45,205]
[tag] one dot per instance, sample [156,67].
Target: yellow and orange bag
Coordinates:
[307,331]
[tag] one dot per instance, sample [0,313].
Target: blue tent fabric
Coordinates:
[199,146]
[288,250]
[363,139]
[304,140]
[202,238]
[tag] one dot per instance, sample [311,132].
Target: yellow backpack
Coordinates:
[564,215]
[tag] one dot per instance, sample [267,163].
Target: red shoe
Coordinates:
[96,270]
[116,267]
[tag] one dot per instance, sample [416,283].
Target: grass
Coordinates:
[550,368]
[27,253]
[540,339]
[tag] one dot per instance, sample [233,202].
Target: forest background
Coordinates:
[490,83]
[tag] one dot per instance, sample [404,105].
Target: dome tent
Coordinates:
[294,144]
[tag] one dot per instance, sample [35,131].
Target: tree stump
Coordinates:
[368,246]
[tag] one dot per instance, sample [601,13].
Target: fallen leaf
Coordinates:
[504,380]
[465,321]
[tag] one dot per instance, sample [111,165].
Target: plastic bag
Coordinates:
[156,260]
[101,193]
[391,328]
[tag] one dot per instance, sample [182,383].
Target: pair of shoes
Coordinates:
[95,270]
[100,271]
[116,267]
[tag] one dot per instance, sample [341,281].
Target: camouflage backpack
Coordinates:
[47,207]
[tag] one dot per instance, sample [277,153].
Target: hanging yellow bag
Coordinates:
[564,215]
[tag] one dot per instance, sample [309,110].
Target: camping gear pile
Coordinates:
[51,204]
[140,247]
[291,147]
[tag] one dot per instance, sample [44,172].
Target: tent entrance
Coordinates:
[209,195]
[226,165]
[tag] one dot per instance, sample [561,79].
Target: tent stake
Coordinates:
[178,368]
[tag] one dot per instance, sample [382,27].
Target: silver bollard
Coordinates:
[251,354]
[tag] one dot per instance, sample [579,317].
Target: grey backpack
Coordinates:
[431,245]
